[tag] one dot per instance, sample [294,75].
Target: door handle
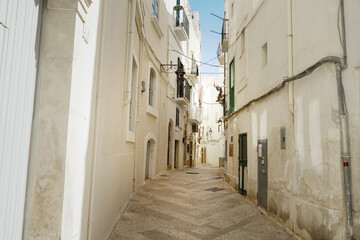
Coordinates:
[263,172]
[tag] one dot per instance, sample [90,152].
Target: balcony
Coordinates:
[195,70]
[225,36]
[182,25]
[194,74]
[183,91]
[220,55]
[195,115]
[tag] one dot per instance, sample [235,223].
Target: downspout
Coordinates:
[344,128]
[130,53]
[139,96]
[345,148]
[290,55]
[343,33]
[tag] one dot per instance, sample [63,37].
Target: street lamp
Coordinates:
[219,124]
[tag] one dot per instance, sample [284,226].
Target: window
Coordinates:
[155,8]
[177,122]
[152,87]
[264,52]
[133,97]
[242,44]
[232,86]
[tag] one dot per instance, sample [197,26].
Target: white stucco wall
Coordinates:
[212,111]
[305,190]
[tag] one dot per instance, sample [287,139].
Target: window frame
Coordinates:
[177,117]
[232,86]
[155,9]
[130,133]
[152,87]
[152,109]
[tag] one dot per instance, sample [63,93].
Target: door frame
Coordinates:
[262,155]
[242,162]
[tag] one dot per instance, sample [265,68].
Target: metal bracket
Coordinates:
[168,66]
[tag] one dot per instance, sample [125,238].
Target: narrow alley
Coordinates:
[193,204]
[179,119]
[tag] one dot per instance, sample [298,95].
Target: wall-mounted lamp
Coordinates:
[219,124]
[210,131]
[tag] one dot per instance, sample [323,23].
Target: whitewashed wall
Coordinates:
[19,32]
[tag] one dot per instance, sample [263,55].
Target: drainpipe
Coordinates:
[345,148]
[290,55]
[130,53]
[344,128]
[343,33]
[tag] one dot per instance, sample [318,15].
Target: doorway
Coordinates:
[169,150]
[176,155]
[262,172]
[242,157]
[147,165]
[191,153]
[203,155]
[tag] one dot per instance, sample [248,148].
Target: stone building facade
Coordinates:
[288,127]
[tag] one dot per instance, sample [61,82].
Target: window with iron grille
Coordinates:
[155,8]
[152,87]
[177,122]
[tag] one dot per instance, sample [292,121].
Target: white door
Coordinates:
[19,48]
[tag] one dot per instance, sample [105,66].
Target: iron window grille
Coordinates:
[155,8]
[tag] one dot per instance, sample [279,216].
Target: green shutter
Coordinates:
[232,86]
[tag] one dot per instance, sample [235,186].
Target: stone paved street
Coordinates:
[193,204]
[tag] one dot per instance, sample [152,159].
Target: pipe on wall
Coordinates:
[130,53]
[345,148]
[290,55]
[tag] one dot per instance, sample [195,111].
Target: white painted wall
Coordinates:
[305,189]
[76,193]
[212,111]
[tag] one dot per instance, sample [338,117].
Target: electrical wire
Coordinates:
[201,63]
[238,37]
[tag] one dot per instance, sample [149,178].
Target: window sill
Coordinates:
[130,136]
[151,111]
[156,25]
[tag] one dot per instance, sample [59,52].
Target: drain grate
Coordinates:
[192,173]
[163,175]
[214,189]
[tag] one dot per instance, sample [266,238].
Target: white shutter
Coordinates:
[18,67]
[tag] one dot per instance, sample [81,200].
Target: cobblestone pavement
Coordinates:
[193,204]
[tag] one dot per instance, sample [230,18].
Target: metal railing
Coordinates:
[183,88]
[195,70]
[182,21]
[195,113]
[225,31]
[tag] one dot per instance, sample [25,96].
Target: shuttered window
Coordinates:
[232,86]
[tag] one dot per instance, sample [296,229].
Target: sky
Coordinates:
[210,41]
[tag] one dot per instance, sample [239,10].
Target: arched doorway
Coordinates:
[149,162]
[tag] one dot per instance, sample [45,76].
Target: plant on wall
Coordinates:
[221,96]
